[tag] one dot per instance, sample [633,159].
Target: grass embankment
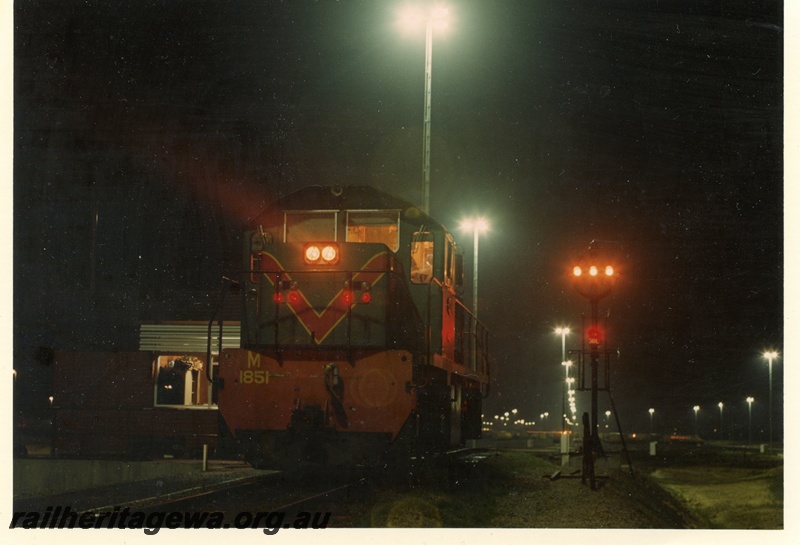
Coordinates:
[728,497]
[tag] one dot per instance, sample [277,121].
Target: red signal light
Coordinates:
[347,297]
[594,336]
[366,297]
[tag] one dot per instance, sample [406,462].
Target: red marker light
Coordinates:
[594,335]
[347,297]
[366,297]
[277,297]
[294,297]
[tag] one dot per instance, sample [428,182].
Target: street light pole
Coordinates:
[435,18]
[651,411]
[696,430]
[564,331]
[721,421]
[426,128]
[477,226]
[770,355]
[749,420]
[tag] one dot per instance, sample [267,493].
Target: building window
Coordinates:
[180,380]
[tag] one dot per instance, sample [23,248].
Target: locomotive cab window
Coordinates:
[378,226]
[309,226]
[421,258]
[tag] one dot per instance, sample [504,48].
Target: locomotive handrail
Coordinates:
[479,333]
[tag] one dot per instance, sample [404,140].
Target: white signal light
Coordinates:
[577,271]
[609,270]
[329,253]
[593,270]
[312,254]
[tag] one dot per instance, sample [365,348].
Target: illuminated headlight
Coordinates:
[312,254]
[329,254]
[321,254]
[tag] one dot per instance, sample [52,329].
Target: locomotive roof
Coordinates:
[354,197]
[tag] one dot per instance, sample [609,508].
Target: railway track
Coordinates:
[327,495]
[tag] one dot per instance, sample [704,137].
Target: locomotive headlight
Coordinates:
[593,270]
[329,254]
[312,253]
[317,253]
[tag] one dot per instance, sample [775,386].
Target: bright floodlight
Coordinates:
[440,17]
[477,224]
[411,18]
[562,330]
[771,354]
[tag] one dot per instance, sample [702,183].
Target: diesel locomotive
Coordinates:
[356,345]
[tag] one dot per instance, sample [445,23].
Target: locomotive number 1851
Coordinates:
[253,376]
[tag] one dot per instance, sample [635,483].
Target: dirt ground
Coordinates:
[729,498]
[520,490]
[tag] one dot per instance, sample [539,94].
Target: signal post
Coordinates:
[593,277]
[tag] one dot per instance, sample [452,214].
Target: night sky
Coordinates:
[147,134]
